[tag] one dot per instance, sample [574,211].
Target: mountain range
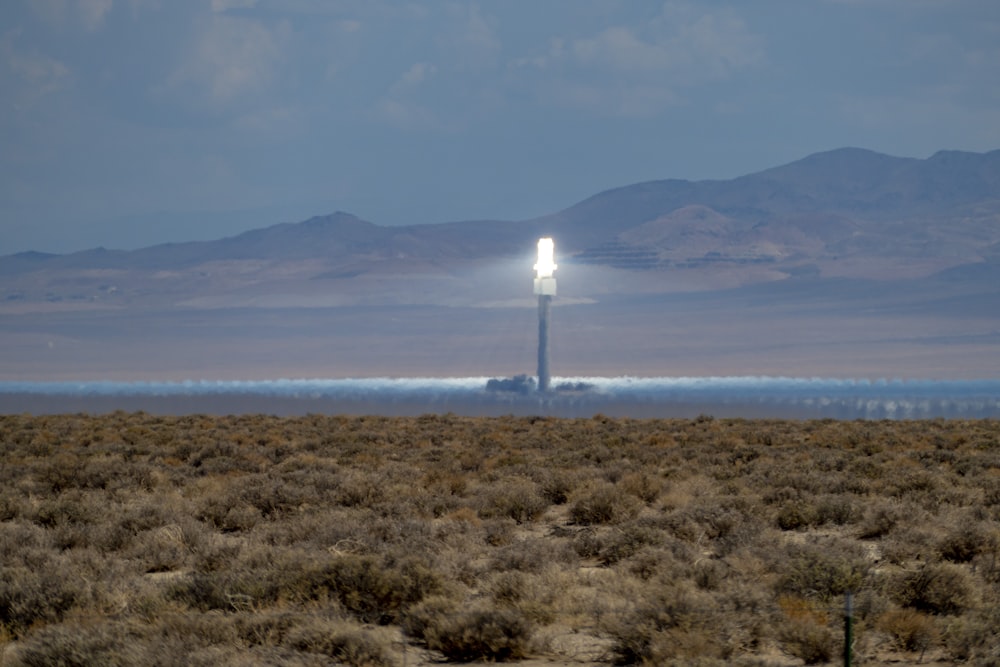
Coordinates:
[836,228]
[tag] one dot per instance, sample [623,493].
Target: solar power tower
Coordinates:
[545,288]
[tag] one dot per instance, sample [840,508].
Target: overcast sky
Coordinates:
[131,122]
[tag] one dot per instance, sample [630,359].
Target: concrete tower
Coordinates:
[545,288]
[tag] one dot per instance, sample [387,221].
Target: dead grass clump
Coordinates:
[910,630]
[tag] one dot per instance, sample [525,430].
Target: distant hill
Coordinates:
[829,206]
[844,213]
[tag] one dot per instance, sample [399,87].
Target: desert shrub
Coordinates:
[203,591]
[190,638]
[627,541]
[669,559]
[965,542]
[642,485]
[508,588]
[346,643]
[531,555]
[373,590]
[971,637]
[910,630]
[266,627]
[480,635]
[423,616]
[160,550]
[75,646]
[28,597]
[728,521]
[10,506]
[909,543]
[838,509]
[809,641]
[991,492]
[936,588]
[797,515]
[804,632]
[70,508]
[822,571]
[270,497]
[870,604]
[666,623]
[498,532]
[517,499]
[879,520]
[228,512]
[669,647]
[556,486]
[604,503]
[358,489]
[532,595]
[708,575]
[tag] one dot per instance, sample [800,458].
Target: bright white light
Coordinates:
[546,264]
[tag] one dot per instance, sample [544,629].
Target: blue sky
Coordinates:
[130,122]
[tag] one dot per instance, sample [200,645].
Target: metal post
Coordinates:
[848,628]
[543,341]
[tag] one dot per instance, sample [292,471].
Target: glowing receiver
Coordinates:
[545,284]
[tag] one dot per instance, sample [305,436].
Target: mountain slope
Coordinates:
[847,213]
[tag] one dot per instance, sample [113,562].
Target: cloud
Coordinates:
[628,100]
[30,76]
[92,12]
[416,75]
[407,114]
[219,6]
[474,38]
[689,45]
[232,57]
[89,13]
[400,107]
[642,68]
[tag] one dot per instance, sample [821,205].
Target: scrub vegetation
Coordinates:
[132,539]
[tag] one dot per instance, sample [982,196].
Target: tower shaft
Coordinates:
[544,301]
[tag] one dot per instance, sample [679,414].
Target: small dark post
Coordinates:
[848,628]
